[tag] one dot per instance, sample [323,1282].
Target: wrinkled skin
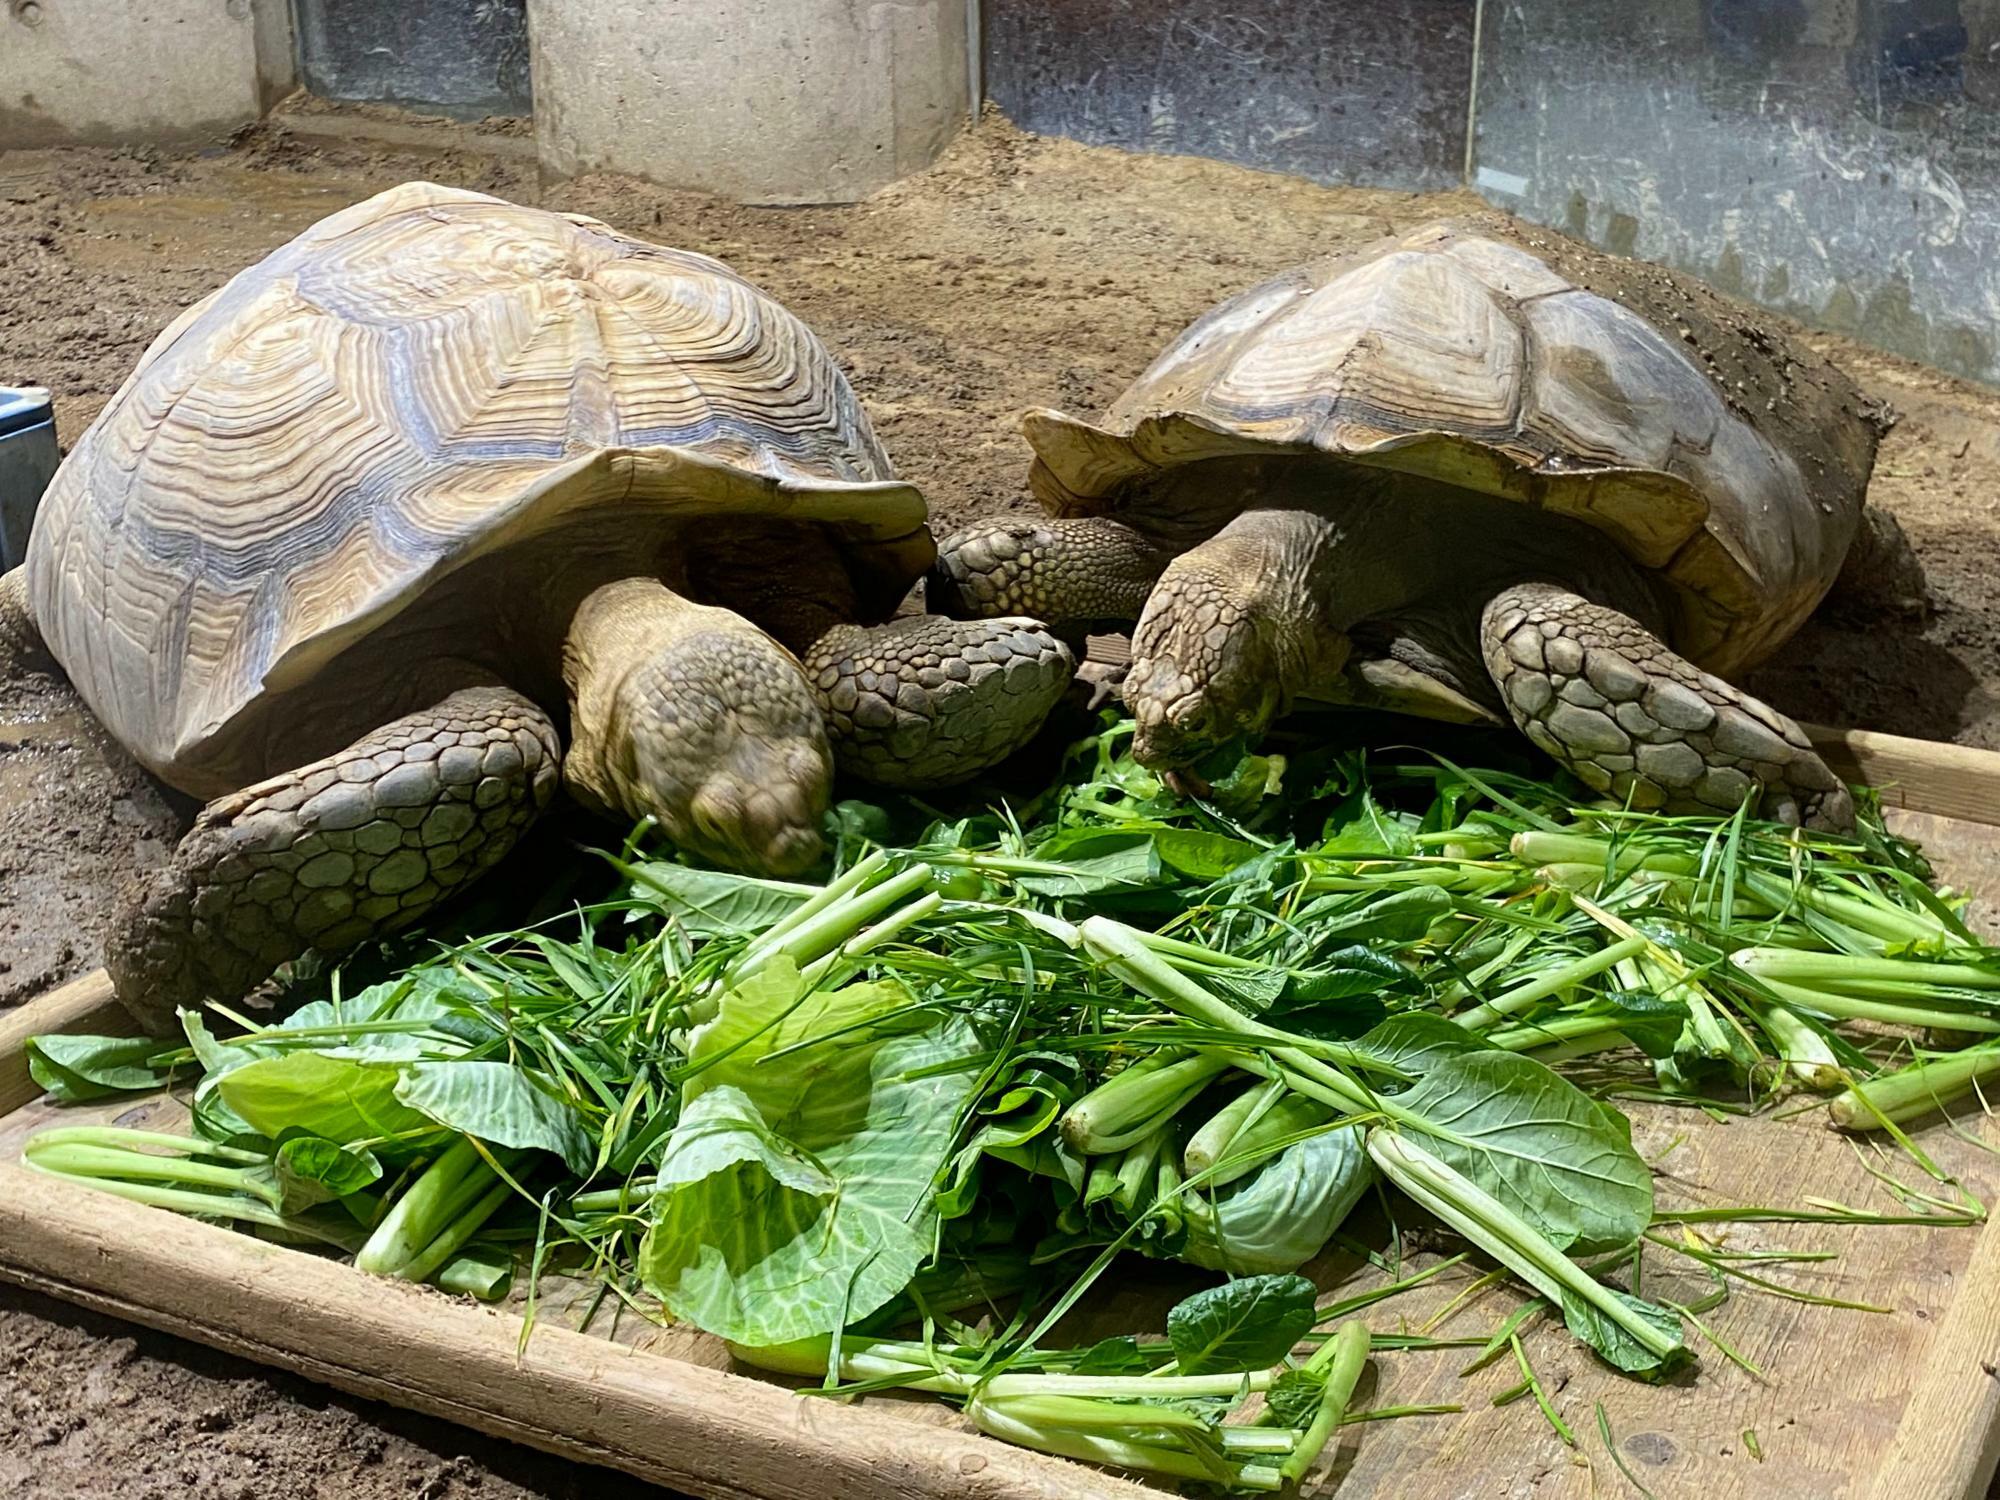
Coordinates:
[1311,581]
[723,726]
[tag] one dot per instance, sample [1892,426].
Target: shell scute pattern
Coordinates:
[419,379]
[1533,370]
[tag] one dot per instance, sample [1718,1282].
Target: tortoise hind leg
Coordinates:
[927,701]
[1601,694]
[333,853]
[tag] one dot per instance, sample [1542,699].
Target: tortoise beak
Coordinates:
[767,823]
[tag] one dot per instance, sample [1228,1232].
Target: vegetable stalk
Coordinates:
[1491,1225]
[444,1206]
[1913,1092]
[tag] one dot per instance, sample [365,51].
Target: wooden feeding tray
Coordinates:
[1856,1404]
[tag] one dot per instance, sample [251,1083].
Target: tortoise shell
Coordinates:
[417,381]
[1533,370]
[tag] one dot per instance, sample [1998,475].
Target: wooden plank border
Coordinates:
[1947,1446]
[1953,781]
[83,1005]
[702,1431]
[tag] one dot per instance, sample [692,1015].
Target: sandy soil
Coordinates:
[1019,272]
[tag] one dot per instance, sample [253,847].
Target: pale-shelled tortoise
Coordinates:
[1464,472]
[373,525]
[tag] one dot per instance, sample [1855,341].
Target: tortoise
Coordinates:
[371,524]
[1469,472]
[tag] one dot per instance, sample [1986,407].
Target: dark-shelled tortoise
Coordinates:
[370,526]
[1467,472]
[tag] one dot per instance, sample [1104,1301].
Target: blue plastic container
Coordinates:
[28,456]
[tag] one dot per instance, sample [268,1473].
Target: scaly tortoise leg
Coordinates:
[331,854]
[1068,573]
[927,701]
[1602,695]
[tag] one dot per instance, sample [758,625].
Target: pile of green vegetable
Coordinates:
[1000,1047]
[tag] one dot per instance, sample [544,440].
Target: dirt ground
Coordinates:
[1020,271]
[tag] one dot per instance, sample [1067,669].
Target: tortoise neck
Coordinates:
[786,579]
[1395,543]
[614,637]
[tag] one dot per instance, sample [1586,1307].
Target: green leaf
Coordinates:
[1282,1215]
[1475,1212]
[1294,1397]
[1400,917]
[1202,856]
[75,1068]
[1341,999]
[1254,989]
[714,903]
[1360,826]
[215,1058]
[723,1127]
[311,1169]
[1032,1113]
[1120,1355]
[1537,1143]
[1096,862]
[496,1102]
[1416,1042]
[1604,1334]
[1249,1324]
[341,1098]
[852,821]
[1650,1022]
[1345,973]
[1238,782]
[802,1191]
[213,1119]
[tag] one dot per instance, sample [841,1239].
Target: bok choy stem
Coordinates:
[1340,1359]
[1491,1225]
[1913,1092]
[454,1185]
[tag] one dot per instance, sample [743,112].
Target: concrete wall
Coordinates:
[1836,159]
[138,70]
[762,101]
[1342,91]
[467,58]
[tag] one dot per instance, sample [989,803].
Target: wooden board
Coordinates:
[1853,1404]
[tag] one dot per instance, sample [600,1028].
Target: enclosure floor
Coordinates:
[1020,272]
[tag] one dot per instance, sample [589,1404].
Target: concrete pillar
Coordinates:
[762,101]
[138,70]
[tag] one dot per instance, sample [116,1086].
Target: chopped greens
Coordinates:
[998,1047]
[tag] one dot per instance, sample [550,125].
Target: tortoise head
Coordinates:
[1233,630]
[695,717]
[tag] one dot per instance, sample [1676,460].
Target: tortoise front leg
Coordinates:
[1072,574]
[927,701]
[1602,695]
[333,853]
